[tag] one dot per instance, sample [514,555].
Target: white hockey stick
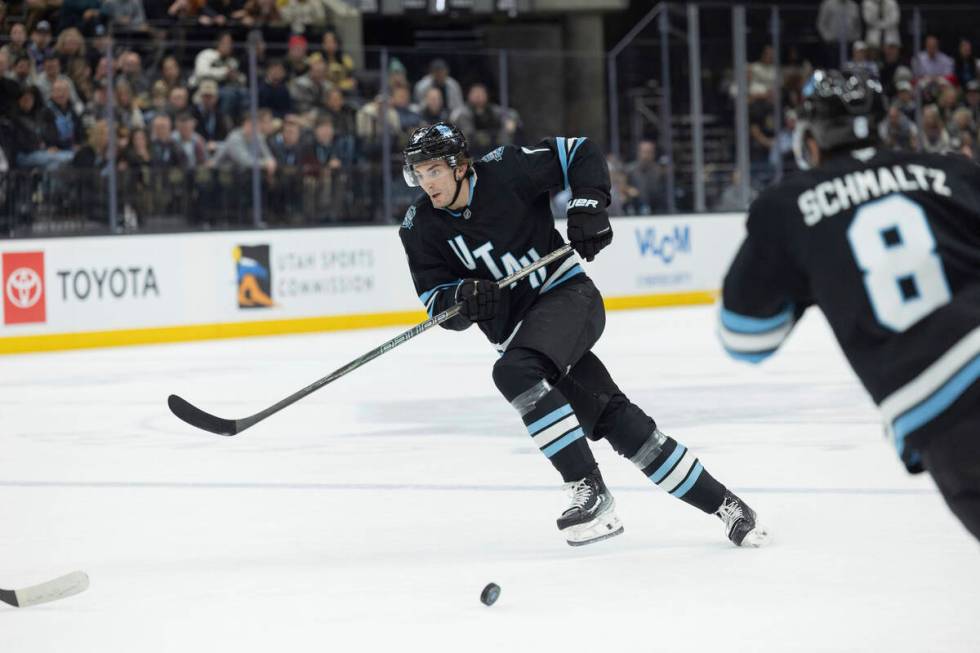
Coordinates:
[59,588]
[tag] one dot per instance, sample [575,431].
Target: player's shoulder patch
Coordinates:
[409,220]
[495,155]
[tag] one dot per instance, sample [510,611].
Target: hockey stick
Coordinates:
[59,588]
[208,422]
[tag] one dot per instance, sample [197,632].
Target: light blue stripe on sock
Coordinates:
[668,465]
[689,483]
[562,442]
[539,425]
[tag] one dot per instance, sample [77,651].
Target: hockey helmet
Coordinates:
[841,110]
[443,140]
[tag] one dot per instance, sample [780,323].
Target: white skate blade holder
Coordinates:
[603,527]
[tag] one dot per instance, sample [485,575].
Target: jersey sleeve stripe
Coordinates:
[428,298]
[562,158]
[753,339]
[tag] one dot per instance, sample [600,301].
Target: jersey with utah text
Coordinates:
[507,225]
[887,244]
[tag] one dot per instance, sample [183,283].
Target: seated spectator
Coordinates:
[897,132]
[891,60]
[295,62]
[973,99]
[52,73]
[125,15]
[212,125]
[62,123]
[965,65]
[258,13]
[340,65]
[39,48]
[762,132]
[9,90]
[70,47]
[170,72]
[485,125]
[310,90]
[839,21]
[646,176]
[158,102]
[322,152]
[961,123]
[881,18]
[97,47]
[300,14]
[947,99]
[287,145]
[17,44]
[199,11]
[408,120]
[273,92]
[905,101]
[935,138]
[95,152]
[343,115]
[178,101]
[217,63]
[370,130]
[190,143]
[137,152]
[164,152]
[131,116]
[237,150]
[131,69]
[81,76]
[932,64]
[860,62]
[28,135]
[432,110]
[438,77]
[22,71]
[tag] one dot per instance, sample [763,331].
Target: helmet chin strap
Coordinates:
[459,187]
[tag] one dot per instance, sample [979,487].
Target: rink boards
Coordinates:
[69,293]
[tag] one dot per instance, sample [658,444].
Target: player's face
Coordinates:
[437,180]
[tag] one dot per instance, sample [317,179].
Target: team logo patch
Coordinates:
[407,223]
[496,155]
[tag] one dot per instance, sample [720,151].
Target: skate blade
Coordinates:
[600,538]
[756,538]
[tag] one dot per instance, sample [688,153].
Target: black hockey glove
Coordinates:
[479,298]
[588,224]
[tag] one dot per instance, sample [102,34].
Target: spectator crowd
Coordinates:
[186,139]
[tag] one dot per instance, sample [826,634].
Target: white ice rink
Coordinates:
[369,516]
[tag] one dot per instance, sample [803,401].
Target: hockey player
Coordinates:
[887,244]
[480,221]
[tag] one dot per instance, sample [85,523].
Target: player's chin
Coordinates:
[438,200]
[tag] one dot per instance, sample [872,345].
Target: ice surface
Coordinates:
[369,516]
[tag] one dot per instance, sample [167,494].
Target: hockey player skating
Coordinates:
[480,221]
[887,244]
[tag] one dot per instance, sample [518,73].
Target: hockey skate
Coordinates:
[740,523]
[591,515]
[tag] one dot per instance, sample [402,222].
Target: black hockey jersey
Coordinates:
[506,225]
[887,244]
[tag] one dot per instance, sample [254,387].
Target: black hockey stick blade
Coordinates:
[202,420]
[53,590]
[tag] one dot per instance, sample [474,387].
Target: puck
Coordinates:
[490,594]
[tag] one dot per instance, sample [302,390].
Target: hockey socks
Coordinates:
[548,416]
[670,464]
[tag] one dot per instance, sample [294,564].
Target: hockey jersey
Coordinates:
[887,244]
[506,225]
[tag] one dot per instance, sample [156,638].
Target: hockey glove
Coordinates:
[479,298]
[588,224]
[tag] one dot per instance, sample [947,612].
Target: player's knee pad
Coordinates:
[521,376]
[627,428]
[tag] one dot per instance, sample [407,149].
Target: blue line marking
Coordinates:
[689,483]
[563,442]
[539,425]
[668,465]
[937,402]
[745,324]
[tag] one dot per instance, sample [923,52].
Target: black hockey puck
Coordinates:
[490,594]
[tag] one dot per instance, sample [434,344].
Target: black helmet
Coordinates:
[442,140]
[841,110]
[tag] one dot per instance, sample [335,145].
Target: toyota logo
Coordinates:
[24,287]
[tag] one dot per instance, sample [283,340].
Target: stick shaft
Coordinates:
[401,338]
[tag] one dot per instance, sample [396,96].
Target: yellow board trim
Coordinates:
[156,335]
